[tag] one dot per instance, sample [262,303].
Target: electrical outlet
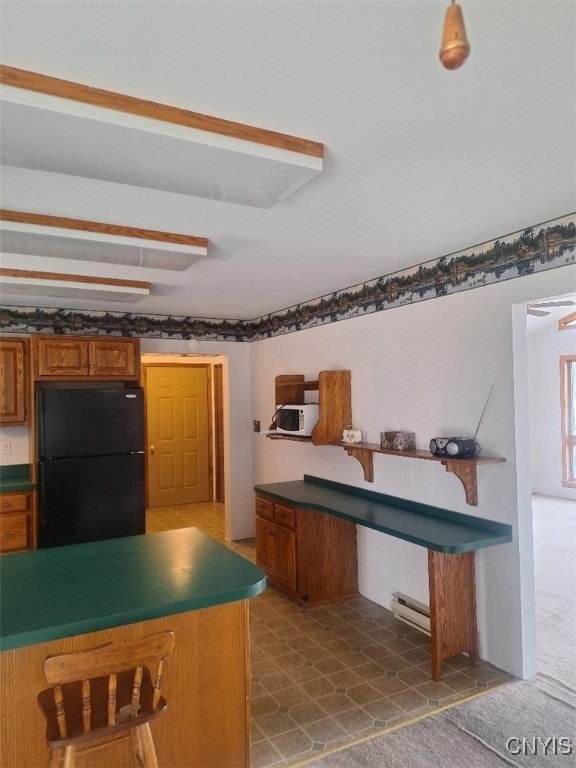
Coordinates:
[256,426]
[407,474]
[5,448]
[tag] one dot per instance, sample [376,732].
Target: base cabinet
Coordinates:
[276,548]
[16,521]
[308,554]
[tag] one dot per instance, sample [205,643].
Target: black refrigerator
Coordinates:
[90,464]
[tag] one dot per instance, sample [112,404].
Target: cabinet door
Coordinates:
[276,553]
[81,357]
[285,574]
[13,399]
[118,358]
[265,545]
[62,357]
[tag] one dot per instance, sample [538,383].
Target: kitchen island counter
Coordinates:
[61,591]
[81,596]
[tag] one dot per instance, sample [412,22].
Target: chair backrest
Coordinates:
[104,689]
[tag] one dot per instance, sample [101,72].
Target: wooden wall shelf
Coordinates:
[334,398]
[334,402]
[464,469]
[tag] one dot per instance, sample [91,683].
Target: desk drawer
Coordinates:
[285,516]
[264,508]
[275,512]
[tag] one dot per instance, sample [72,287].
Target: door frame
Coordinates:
[173,364]
[219,433]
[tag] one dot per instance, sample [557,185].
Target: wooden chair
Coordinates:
[100,693]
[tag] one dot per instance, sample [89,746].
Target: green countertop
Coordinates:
[64,591]
[15,477]
[432,527]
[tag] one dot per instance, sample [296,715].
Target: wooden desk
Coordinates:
[76,597]
[451,539]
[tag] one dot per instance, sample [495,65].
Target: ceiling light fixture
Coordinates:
[455,46]
[35,234]
[119,138]
[23,282]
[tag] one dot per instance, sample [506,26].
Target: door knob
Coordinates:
[152,450]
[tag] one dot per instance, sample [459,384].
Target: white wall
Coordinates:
[16,438]
[545,348]
[426,367]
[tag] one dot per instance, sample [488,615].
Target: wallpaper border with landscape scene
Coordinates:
[540,247]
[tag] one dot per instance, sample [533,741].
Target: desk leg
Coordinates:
[452,607]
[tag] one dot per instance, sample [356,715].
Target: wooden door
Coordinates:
[178,434]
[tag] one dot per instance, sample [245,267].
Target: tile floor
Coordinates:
[325,676]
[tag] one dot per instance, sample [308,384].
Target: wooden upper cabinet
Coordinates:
[13,378]
[62,357]
[114,358]
[80,358]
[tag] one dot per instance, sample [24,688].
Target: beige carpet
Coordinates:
[514,725]
[524,723]
[555,575]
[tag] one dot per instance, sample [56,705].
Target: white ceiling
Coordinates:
[544,322]
[419,161]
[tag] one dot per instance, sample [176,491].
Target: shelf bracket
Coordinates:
[465,471]
[366,458]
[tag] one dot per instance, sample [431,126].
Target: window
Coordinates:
[568,405]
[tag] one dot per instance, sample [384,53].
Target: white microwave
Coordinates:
[298,419]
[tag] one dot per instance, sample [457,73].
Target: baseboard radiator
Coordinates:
[411,612]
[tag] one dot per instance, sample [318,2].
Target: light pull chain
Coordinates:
[455,46]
